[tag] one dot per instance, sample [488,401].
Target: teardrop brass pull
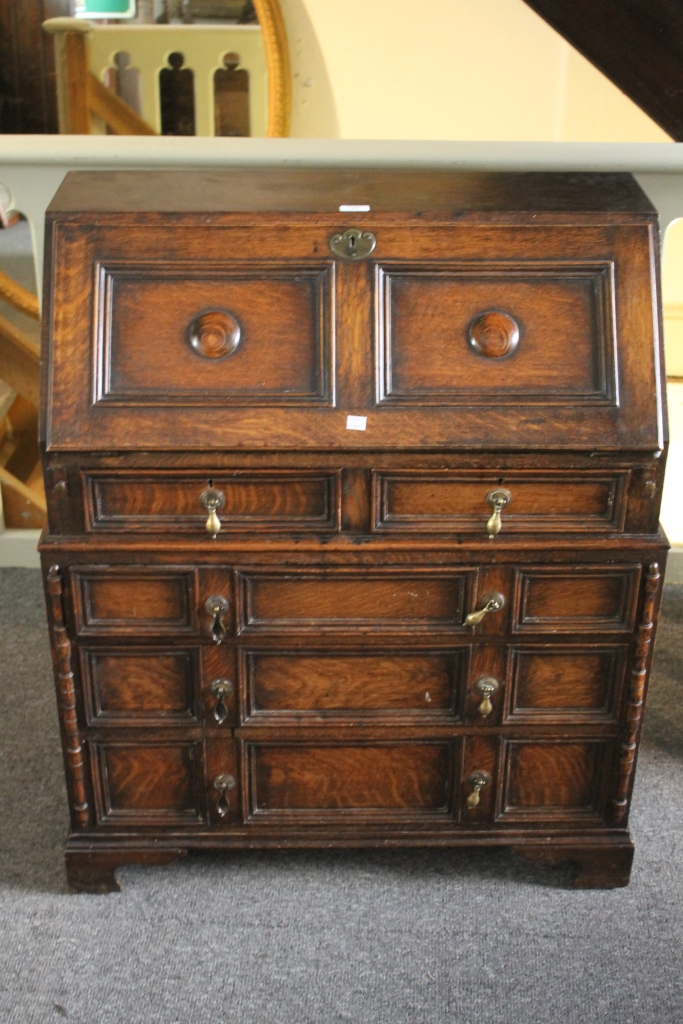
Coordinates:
[221,689]
[492,603]
[223,783]
[477,780]
[498,500]
[486,687]
[353,244]
[217,607]
[212,499]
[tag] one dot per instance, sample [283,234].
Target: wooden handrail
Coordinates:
[19,359]
[29,495]
[85,94]
[121,119]
[18,296]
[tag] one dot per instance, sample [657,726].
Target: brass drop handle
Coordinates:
[477,780]
[212,499]
[223,783]
[217,606]
[486,687]
[221,689]
[492,603]
[498,500]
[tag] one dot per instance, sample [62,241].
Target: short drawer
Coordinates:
[172,502]
[591,599]
[148,782]
[135,601]
[310,600]
[392,686]
[565,683]
[555,781]
[534,502]
[141,685]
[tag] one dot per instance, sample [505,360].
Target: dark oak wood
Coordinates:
[95,872]
[607,867]
[357,646]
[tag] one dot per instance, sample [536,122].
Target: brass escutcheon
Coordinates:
[353,244]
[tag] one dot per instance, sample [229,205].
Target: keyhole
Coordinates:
[352,241]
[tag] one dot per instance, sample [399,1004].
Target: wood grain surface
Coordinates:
[385,668]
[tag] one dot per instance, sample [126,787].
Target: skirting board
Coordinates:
[18,548]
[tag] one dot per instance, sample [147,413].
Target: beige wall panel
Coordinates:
[447,69]
[596,111]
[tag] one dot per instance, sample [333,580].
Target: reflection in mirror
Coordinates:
[176,97]
[231,97]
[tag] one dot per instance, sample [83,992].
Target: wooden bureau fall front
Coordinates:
[353,482]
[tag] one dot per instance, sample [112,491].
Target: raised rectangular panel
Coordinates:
[113,599]
[158,501]
[274,347]
[561,353]
[372,685]
[150,782]
[560,502]
[586,598]
[141,685]
[345,781]
[338,599]
[565,683]
[547,781]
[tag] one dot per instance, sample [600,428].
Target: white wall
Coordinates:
[447,69]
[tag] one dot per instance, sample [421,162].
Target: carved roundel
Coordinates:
[493,334]
[214,334]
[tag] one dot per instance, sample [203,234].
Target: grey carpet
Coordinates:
[406,937]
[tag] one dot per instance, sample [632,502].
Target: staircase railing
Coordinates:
[87,53]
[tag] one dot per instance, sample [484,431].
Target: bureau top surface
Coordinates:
[322,190]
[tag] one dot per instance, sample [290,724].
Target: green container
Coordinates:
[105,8]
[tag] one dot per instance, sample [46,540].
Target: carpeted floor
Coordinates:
[380,937]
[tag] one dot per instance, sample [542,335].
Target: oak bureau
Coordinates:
[353,482]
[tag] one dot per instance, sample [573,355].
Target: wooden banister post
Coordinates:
[71,59]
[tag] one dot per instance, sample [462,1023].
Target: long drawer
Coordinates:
[218,602]
[444,783]
[178,502]
[526,502]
